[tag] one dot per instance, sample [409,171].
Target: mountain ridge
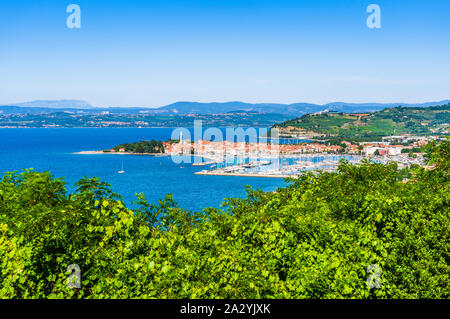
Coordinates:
[186,107]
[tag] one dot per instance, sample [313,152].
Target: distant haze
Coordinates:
[55,104]
[179,108]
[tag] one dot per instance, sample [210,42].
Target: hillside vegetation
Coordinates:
[324,236]
[141,147]
[372,126]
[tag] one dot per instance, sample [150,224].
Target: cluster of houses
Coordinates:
[395,145]
[224,148]
[390,146]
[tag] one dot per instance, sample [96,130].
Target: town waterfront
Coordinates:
[195,182]
[53,150]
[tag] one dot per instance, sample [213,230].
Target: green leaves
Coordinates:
[312,239]
[142,147]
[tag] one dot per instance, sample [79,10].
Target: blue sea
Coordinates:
[53,150]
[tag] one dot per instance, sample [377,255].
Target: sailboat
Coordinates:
[121,171]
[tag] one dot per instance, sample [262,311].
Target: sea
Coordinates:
[54,150]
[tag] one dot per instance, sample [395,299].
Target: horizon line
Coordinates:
[212,102]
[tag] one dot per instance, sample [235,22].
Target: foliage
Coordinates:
[439,154]
[315,238]
[142,147]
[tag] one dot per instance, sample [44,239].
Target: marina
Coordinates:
[295,165]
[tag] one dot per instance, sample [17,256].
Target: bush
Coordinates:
[316,238]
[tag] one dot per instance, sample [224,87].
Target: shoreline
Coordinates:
[212,160]
[118,153]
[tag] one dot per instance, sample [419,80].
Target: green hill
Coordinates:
[150,147]
[371,126]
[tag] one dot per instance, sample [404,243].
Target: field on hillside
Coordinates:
[373,126]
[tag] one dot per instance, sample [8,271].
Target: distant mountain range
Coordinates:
[288,109]
[183,108]
[55,104]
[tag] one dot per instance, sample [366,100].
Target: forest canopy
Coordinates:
[150,147]
[323,236]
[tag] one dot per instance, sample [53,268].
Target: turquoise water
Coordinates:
[52,150]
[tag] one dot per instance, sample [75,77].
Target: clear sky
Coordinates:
[152,53]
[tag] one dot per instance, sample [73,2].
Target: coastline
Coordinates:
[118,153]
[211,161]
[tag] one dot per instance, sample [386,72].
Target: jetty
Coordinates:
[218,173]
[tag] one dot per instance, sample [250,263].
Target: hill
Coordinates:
[142,147]
[371,126]
[189,108]
[295,109]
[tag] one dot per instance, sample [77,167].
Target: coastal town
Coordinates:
[296,150]
[290,160]
[313,142]
[391,145]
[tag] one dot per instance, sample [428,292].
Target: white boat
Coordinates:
[121,171]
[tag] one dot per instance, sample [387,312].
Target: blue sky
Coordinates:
[152,53]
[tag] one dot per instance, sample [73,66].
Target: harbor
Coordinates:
[295,165]
[226,158]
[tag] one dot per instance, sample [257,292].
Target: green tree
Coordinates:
[315,238]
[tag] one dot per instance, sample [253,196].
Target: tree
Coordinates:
[316,238]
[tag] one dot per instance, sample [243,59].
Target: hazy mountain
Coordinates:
[182,108]
[288,109]
[214,108]
[56,104]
